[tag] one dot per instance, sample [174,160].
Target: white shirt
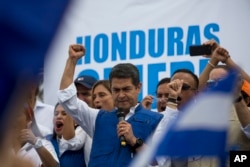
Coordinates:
[29,153]
[80,139]
[169,115]
[84,115]
[246,130]
[44,114]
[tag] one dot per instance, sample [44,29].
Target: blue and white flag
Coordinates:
[27,29]
[200,129]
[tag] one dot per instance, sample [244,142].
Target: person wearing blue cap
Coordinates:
[84,84]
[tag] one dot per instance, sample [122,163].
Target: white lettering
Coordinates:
[237,158]
[240,158]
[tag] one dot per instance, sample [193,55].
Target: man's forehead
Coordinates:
[217,73]
[121,86]
[181,75]
[186,77]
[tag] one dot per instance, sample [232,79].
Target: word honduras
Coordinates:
[134,44]
[143,46]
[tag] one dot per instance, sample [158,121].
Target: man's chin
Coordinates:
[124,107]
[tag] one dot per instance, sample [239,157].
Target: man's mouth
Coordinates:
[163,108]
[98,107]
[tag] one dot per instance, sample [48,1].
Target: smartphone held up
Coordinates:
[199,50]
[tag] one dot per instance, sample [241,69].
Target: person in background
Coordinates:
[245,91]
[182,88]
[42,124]
[68,140]
[101,96]
[242,108]
[219,55]
[161,96]
[211,75]
[103,126]
[40,152]
[84,86]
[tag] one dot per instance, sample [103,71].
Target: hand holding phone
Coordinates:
[199,50]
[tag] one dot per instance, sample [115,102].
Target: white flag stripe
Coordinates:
[208,116]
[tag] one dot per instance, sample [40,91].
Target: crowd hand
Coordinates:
[124,128]
[76,51]
[147,102]
[174,88]
[221,54]
[27,136]
[214,45]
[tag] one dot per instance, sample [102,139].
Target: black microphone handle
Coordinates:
[121,117]
[122,138]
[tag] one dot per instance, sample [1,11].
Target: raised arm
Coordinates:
[230,63]
[219,54]
[75,52]
[68,131]
[67,95]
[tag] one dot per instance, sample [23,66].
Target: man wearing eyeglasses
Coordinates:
[182,88]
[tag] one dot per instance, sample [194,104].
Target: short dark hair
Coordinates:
[163,81]
[125,70]
[196,79]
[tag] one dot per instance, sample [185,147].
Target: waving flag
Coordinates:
[201,129]
[26,30]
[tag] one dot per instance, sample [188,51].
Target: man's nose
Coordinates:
[121,94]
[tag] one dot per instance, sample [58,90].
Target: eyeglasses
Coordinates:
[212,83]
[186,87]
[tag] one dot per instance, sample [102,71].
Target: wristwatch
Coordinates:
[38,143]
[139,143]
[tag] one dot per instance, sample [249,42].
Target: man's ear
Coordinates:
[139,86]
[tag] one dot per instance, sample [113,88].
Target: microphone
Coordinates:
[121,117]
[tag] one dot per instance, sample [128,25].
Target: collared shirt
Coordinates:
[29,153]
[80,111]
[246,130]
[169,115]
[44,114]
[80,139]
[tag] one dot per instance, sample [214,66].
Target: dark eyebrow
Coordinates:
[123,88]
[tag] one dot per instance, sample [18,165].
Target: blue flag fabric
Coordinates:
[26,29]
